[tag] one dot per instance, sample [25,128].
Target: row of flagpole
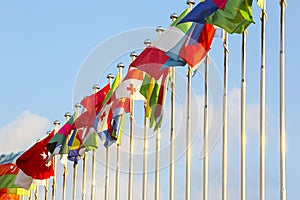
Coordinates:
[205,136]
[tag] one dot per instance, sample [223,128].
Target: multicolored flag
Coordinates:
[33,162]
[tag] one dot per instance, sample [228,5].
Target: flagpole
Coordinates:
[188,126]
[77,107]
[205,135]
[173,17]
[145,166]
[120,67]
[110,77]
[225,143]
[159,31]
[84,163]
[282,103]
[56,125]
[96,87]
[47,181]
[243,118]
[36,192]
[133,55]
[65,171]
[263,106]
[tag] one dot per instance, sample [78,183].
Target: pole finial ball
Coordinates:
[147,42]
[173,16]
[96,87]
[188,2]
[160,29]
[77,105]
[133,54]
[120,65]
[67,114]
[56,122]
[110,76]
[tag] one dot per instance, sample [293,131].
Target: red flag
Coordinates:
[33,162]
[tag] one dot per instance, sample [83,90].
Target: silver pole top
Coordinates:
[96,87]
[190,2]
[133,54]
[67,114]
[77,105]
[160,29]
[147,42]
[110,76]
[120,65]
[173,16]
[56,122]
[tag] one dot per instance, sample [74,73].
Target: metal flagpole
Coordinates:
[145,166]
[243,118]
[173,17]
[159,30]
[65,171]
[225,147]
[96,87]
[36,192]
[110,77]
[188,127]
[263,107]
[205,135]
[77,107]
[117,195]
[282,103]
[47,181]
[133,55]
[56,124]
[84,163]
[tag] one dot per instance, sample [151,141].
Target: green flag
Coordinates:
[235,18]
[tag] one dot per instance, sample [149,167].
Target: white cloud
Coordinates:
[22,132]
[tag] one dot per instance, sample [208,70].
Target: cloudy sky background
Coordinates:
[46,45]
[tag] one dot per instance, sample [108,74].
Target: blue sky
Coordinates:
[44,45]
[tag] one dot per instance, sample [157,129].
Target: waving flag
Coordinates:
[33,162]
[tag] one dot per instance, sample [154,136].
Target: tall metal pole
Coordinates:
[117,195]
[173,17]
[145,163]
[96,87]
[263,106]
[83,192]
[110,77]
[205,135]
[282,103]
[133,55]
[36,192]
[225,148]
[159,30]
[243,118]
[56,124]
[65,170]
[188,127]
[47,181]
[77,107]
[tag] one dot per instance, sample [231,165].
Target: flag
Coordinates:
[102,122]
[33,162]
[119,108]
[235,18]
[8,174]
[74,144]
[130,86]
[146,90]
[5,196]
[57,145]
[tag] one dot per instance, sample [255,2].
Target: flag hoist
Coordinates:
[225,143]
[56,125]
[75,167]
[65,170]
[173,17]
[110,77]
[263,105]
[282,103]
[188,127]
[147,43]
[120,67]
[243,118]
[133,56]
[96,87]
